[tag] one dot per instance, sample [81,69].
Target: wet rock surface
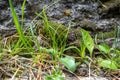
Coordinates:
[89,14]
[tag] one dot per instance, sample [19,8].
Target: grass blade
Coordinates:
[23,7]
[17,24]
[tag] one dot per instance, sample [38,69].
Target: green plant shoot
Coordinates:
[88,41]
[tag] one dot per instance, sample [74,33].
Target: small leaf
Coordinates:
[104,47]
[88,41]
[69,62]
[107,64]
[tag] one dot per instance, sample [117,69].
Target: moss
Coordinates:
[74,34]
[77,33]
[57,26]
[60,29]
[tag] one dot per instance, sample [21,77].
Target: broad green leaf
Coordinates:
[88,41]
[69,62]
[104,47]
[107,64]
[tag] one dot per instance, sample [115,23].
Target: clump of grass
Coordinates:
[17,23]
[57,35]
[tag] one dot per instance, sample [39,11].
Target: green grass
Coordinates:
[24,50]
[57,36]
[18,25]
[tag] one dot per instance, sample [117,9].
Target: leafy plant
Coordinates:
[69,62]
[88,41]
[107,64]
[111,60]
[104,48]
[80,51]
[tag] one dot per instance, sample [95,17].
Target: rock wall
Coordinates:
[92,15]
